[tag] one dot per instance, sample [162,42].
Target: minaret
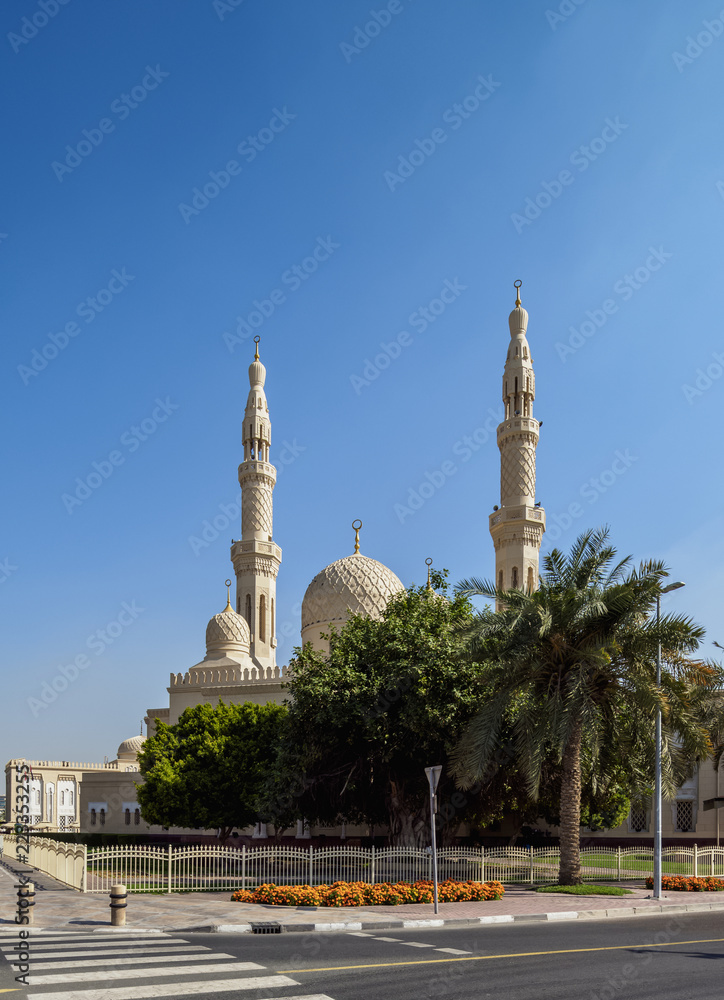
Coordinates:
[256,557]
[517,528]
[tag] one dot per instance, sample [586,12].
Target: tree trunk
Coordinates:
[408,826]
[570,830]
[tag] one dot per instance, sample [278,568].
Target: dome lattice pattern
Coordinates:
[353,585]
[132,747]
[225,628]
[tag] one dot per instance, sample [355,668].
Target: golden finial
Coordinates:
[256,349]
[428,563]
[516,285]
[356,525]
[228,596]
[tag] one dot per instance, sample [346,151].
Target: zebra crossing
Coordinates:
[67,965]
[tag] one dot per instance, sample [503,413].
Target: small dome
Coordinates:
[257,374]
[353,585]
[518,322]
[130,749]
[227,631]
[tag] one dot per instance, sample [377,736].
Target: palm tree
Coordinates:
[571,673]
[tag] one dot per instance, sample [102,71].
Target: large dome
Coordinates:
[130,749]
[353,585]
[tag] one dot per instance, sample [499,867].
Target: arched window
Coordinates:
[248,613]
[262,618]
[514,583]
[137,817]
[93,817]
[500,580]
[128,817]
[271,620]
[103,817]
[238,605]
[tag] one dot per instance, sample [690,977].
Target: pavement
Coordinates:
[59,907]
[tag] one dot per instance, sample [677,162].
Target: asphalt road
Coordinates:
[660,957]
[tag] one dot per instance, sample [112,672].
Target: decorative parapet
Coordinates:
[227,675]
[72,764]
[516,514]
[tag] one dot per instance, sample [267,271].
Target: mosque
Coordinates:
[240,662]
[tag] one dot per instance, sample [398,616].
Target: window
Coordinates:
[62,798]
[515,578]
[271,619]
[103,817]
[637,819]
[93,817]
[238,605]
[500,580]
[127,814]
[684,815]
[137,817]
[248,613]
[262,619]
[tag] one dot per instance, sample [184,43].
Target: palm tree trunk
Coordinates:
[570,836]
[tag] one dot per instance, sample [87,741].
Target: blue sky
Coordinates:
[170,170]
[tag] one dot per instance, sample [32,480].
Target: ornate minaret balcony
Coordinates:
[517,526]
[256,557]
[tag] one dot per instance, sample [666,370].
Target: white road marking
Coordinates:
[179,990]
[392,940]
[99,976]
[360,934]
[43,965]
[454,951]
[417,944]
[174,949]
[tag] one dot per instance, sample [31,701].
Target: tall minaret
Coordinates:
[257,557]
[517,528]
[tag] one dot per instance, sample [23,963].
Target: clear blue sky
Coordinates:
[345,138]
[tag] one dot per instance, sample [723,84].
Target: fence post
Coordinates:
[168,859]
[311,864]
[482,864]
[243,866]
[696,861]
[372,866]
[531,864]
[618,862]
[84,870]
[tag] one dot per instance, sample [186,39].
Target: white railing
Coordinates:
[196,868]
[64,862]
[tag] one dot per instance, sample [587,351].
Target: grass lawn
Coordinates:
[586,890]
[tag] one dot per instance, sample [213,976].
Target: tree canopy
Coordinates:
[571,673]
[209,769]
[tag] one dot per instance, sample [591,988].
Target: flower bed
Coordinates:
[366,894]
[680,883]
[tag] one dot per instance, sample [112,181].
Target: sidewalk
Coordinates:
[58,907]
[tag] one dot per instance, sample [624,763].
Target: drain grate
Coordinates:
[269,927]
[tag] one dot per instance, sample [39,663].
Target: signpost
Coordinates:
[433,777]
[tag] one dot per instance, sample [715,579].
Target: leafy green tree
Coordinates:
[208,770]
[570,670]
[389,699]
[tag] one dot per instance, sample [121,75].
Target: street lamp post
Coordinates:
[657,779]
[433,776]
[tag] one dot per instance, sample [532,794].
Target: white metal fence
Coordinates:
[221,869]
